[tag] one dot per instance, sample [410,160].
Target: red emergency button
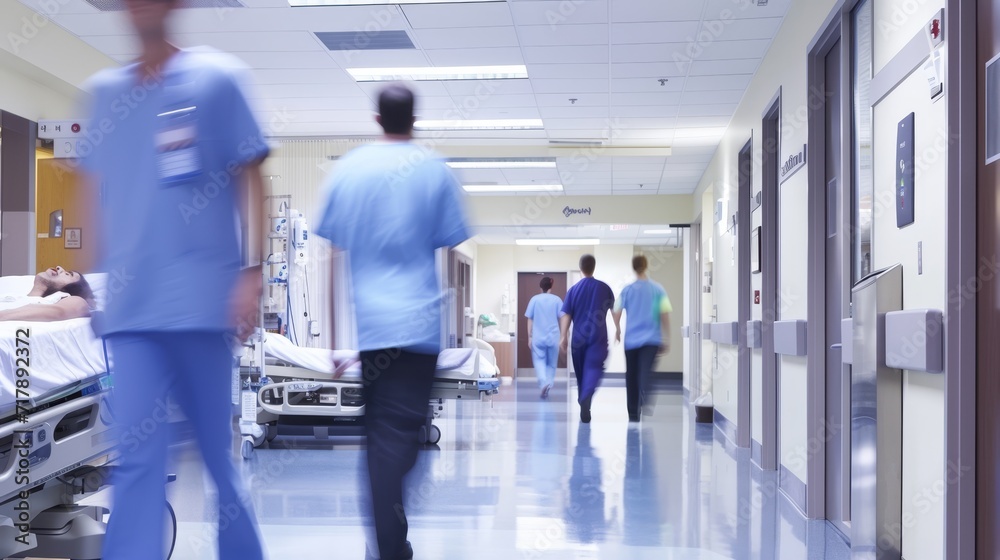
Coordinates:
[75,128]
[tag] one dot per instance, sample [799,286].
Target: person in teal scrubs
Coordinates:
[648,334]
[176,152]
[543,313]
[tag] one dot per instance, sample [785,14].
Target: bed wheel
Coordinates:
[435,435]
[270,432]
[246,449]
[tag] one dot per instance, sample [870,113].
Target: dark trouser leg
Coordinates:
[647,359]
[579,354]
[397,392]
[632,382]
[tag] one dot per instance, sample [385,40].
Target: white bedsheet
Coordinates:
[61,352]
[452,362]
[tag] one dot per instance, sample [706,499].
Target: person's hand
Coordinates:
[244,302]
[563,344]
[664,349]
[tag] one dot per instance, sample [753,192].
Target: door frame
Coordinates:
[744,190]
[837,28]
[962,36]
[695,275]
[769,259]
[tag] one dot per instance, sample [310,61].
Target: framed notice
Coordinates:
[755,250]
[73,238]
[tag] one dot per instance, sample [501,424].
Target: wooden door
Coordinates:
[527,288]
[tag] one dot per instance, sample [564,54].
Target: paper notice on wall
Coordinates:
[933,70]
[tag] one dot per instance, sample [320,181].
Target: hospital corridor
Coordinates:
[499,279]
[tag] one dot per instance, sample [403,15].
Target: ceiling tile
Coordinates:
[475,57]
[437,16]
[664,98]
[706,110]
[647,85]
[715,83]
[568,35]
[574,111]
[710,97]
[728,9]
[567,71]
[466,38]
[555,55]
[488,88]
[303,76]
[704,122]
[582,100]
[654,32]
[379,59]
[570,87]
[724,50]
[659,10]
[647,70]
[644,111]
[277,60]
[559,12]
[724,67]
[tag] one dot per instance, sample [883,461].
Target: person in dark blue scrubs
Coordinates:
[586,309]
[176,152]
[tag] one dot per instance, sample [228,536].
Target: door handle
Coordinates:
[837,346]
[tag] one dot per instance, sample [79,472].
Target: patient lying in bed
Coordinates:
[56,295]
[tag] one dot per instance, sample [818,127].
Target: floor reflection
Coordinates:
[523,478]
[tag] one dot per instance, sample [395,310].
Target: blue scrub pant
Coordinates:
[194,368]
[545,359]
[588,362]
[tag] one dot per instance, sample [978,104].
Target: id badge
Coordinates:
[178,158]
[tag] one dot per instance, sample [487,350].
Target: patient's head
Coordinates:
[58,279]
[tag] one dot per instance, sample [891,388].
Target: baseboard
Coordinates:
[794,488]
[725,426]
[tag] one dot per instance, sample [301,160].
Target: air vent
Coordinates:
[576,142]
[365,41]
[119,5]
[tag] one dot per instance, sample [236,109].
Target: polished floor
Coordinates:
[523,478]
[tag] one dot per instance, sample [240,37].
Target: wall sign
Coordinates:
[567,211]
[794,162]
[73,238]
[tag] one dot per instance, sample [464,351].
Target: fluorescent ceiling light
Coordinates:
[658,231]
[439,73]
[554,242]
[511,188]
[489,124]
[502,164]
[298,3]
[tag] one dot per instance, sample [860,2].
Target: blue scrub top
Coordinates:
[588,302]
[390,206]
[643,302]
[544,310]
[168,153]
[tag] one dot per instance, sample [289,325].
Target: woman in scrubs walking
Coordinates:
[543,315]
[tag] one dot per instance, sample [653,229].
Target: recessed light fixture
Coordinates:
[429,73]
[486,124]
[511,188]
[542,242]
[502,164]
[658,231]
[300,3]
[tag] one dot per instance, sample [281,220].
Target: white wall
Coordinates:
[666,266]
[784,67]
[924,474]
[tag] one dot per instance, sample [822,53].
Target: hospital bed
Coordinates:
[58,445]
[298,395]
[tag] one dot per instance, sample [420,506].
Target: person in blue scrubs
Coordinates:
[543,315]
[391,205]
[586,309]
[175,151]
[648,308]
